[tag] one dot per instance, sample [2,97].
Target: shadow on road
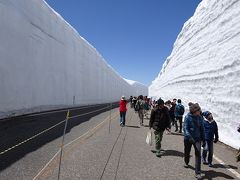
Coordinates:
[214,174]
[132,126]
[224,166]
[17,129]
[176,134]
[173,153]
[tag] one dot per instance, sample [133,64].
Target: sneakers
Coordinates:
[210,165]
[198,176]
[186,165]
[204,162]
[153,151]
[158,154]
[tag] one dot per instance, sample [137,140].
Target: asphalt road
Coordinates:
[96,149]
[123,154]
[28,142]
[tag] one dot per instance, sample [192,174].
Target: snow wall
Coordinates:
[45,64]
[204,65]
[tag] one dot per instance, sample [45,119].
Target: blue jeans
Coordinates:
[122,117]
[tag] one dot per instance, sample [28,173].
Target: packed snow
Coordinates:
[204,65]
[45,64]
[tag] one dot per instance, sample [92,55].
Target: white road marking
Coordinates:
[227,167]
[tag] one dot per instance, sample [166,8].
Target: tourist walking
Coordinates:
[122,110]
[172,111]
[139,108]
[211,136]
[179,111]
[159,121]
[194,135]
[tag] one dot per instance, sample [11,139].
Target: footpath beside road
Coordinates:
[123,154]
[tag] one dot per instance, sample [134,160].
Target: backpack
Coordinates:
[146,106]
[137,106]
[181,110]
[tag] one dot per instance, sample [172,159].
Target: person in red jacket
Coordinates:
[123,110]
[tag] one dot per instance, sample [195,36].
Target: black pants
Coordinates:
[179,118]
[187,150]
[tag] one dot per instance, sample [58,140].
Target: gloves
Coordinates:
[191,140]
[215,140]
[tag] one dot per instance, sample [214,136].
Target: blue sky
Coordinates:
[133,36]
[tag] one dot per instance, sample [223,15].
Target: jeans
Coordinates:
[122,117]
[187,150]
[209,150]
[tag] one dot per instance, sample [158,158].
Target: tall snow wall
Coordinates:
[204,65]
[45,64]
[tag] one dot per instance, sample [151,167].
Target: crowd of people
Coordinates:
[199,128]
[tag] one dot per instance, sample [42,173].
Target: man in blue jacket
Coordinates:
[211,130]
[193,135]
[179,111]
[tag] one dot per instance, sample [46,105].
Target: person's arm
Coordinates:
[152,116]
[216,133]
[186,127]
[202,130]
[168,120]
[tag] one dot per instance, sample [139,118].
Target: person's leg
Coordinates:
[204,155]
[187,150]
[140,114]
[180,124]
[124,118]
[121,118]
[176,124]
[197,148]
[173,120]
[157,142]
[210,152]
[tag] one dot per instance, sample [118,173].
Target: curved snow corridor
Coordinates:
[45,64]
[204,65]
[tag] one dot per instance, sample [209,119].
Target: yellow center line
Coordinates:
[83,137]
[46,130]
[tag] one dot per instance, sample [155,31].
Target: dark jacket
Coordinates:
[193,127]
[179,107]
[159,119]
[171,111]
[211,129]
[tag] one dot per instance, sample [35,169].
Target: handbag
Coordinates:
[149,138]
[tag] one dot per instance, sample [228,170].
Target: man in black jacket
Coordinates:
[159,121]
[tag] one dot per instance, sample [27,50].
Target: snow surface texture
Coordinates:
[46,64]
[204,65]
[139,87]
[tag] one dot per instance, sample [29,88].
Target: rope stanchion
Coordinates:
[110,118]
[62,144]
[46,130]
